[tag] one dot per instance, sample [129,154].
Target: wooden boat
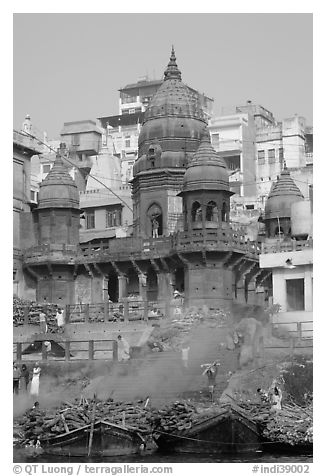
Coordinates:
[229,431]
[108,440]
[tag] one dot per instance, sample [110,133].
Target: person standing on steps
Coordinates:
[35,385]
[16,378]
[43,324]
[24,376]
[60,320]
[185,355]
[123,349]
[211,373]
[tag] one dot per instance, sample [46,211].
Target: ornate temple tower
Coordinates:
[283,193]
[57,222]
[206,191]
[168,139]
[206,207]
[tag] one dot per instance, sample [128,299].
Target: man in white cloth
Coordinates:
[35,385]
[60,319]
[185,355]
[123,349]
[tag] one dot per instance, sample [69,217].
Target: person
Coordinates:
[262,395]
[211,373]
[155,226]
[123,349]
[24,375]
[35,385]
[43,324]
[276,399]
[185,355]
[16,378]
[60,319]
[48,346]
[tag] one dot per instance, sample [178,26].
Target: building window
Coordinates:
[295,294]
[196,212]
[132,111]
[127,143]
[34,196]
[280,154]
[261,157]
[46,168]
[271,156]
[113,218]
[90,220]
[75,139]
[211,212]
[224,212]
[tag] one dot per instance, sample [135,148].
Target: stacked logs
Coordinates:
[33,309]
[293,425]
[42,425]
[179,416]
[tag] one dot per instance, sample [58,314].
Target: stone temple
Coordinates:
[182,238]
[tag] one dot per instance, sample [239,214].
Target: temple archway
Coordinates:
[196,212]
[154,221]
[211,212]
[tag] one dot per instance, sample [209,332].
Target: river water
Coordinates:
[163,458]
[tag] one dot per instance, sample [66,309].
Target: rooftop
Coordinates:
[122,120]
[76,127]
[142,83]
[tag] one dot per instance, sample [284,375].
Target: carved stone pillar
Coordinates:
[122,283]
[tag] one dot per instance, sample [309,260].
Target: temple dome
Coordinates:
[58,189]
[206,171]
[283,193]
[174,119]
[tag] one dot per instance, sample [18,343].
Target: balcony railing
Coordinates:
[285,246]
[41,251]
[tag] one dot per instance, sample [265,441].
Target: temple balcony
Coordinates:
[123,249]
[55,253]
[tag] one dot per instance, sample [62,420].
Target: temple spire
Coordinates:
[172,71]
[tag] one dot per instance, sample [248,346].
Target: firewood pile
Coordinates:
[34,310]
[42,425]
[292,425]
[179,416]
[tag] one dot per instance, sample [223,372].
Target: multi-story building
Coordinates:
[287,143]
[255,146]
[287,252]
[234,138]
[24,200]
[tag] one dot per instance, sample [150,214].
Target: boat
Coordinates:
[228,431]
[108,439]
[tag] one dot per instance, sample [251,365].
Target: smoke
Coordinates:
[162,375]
